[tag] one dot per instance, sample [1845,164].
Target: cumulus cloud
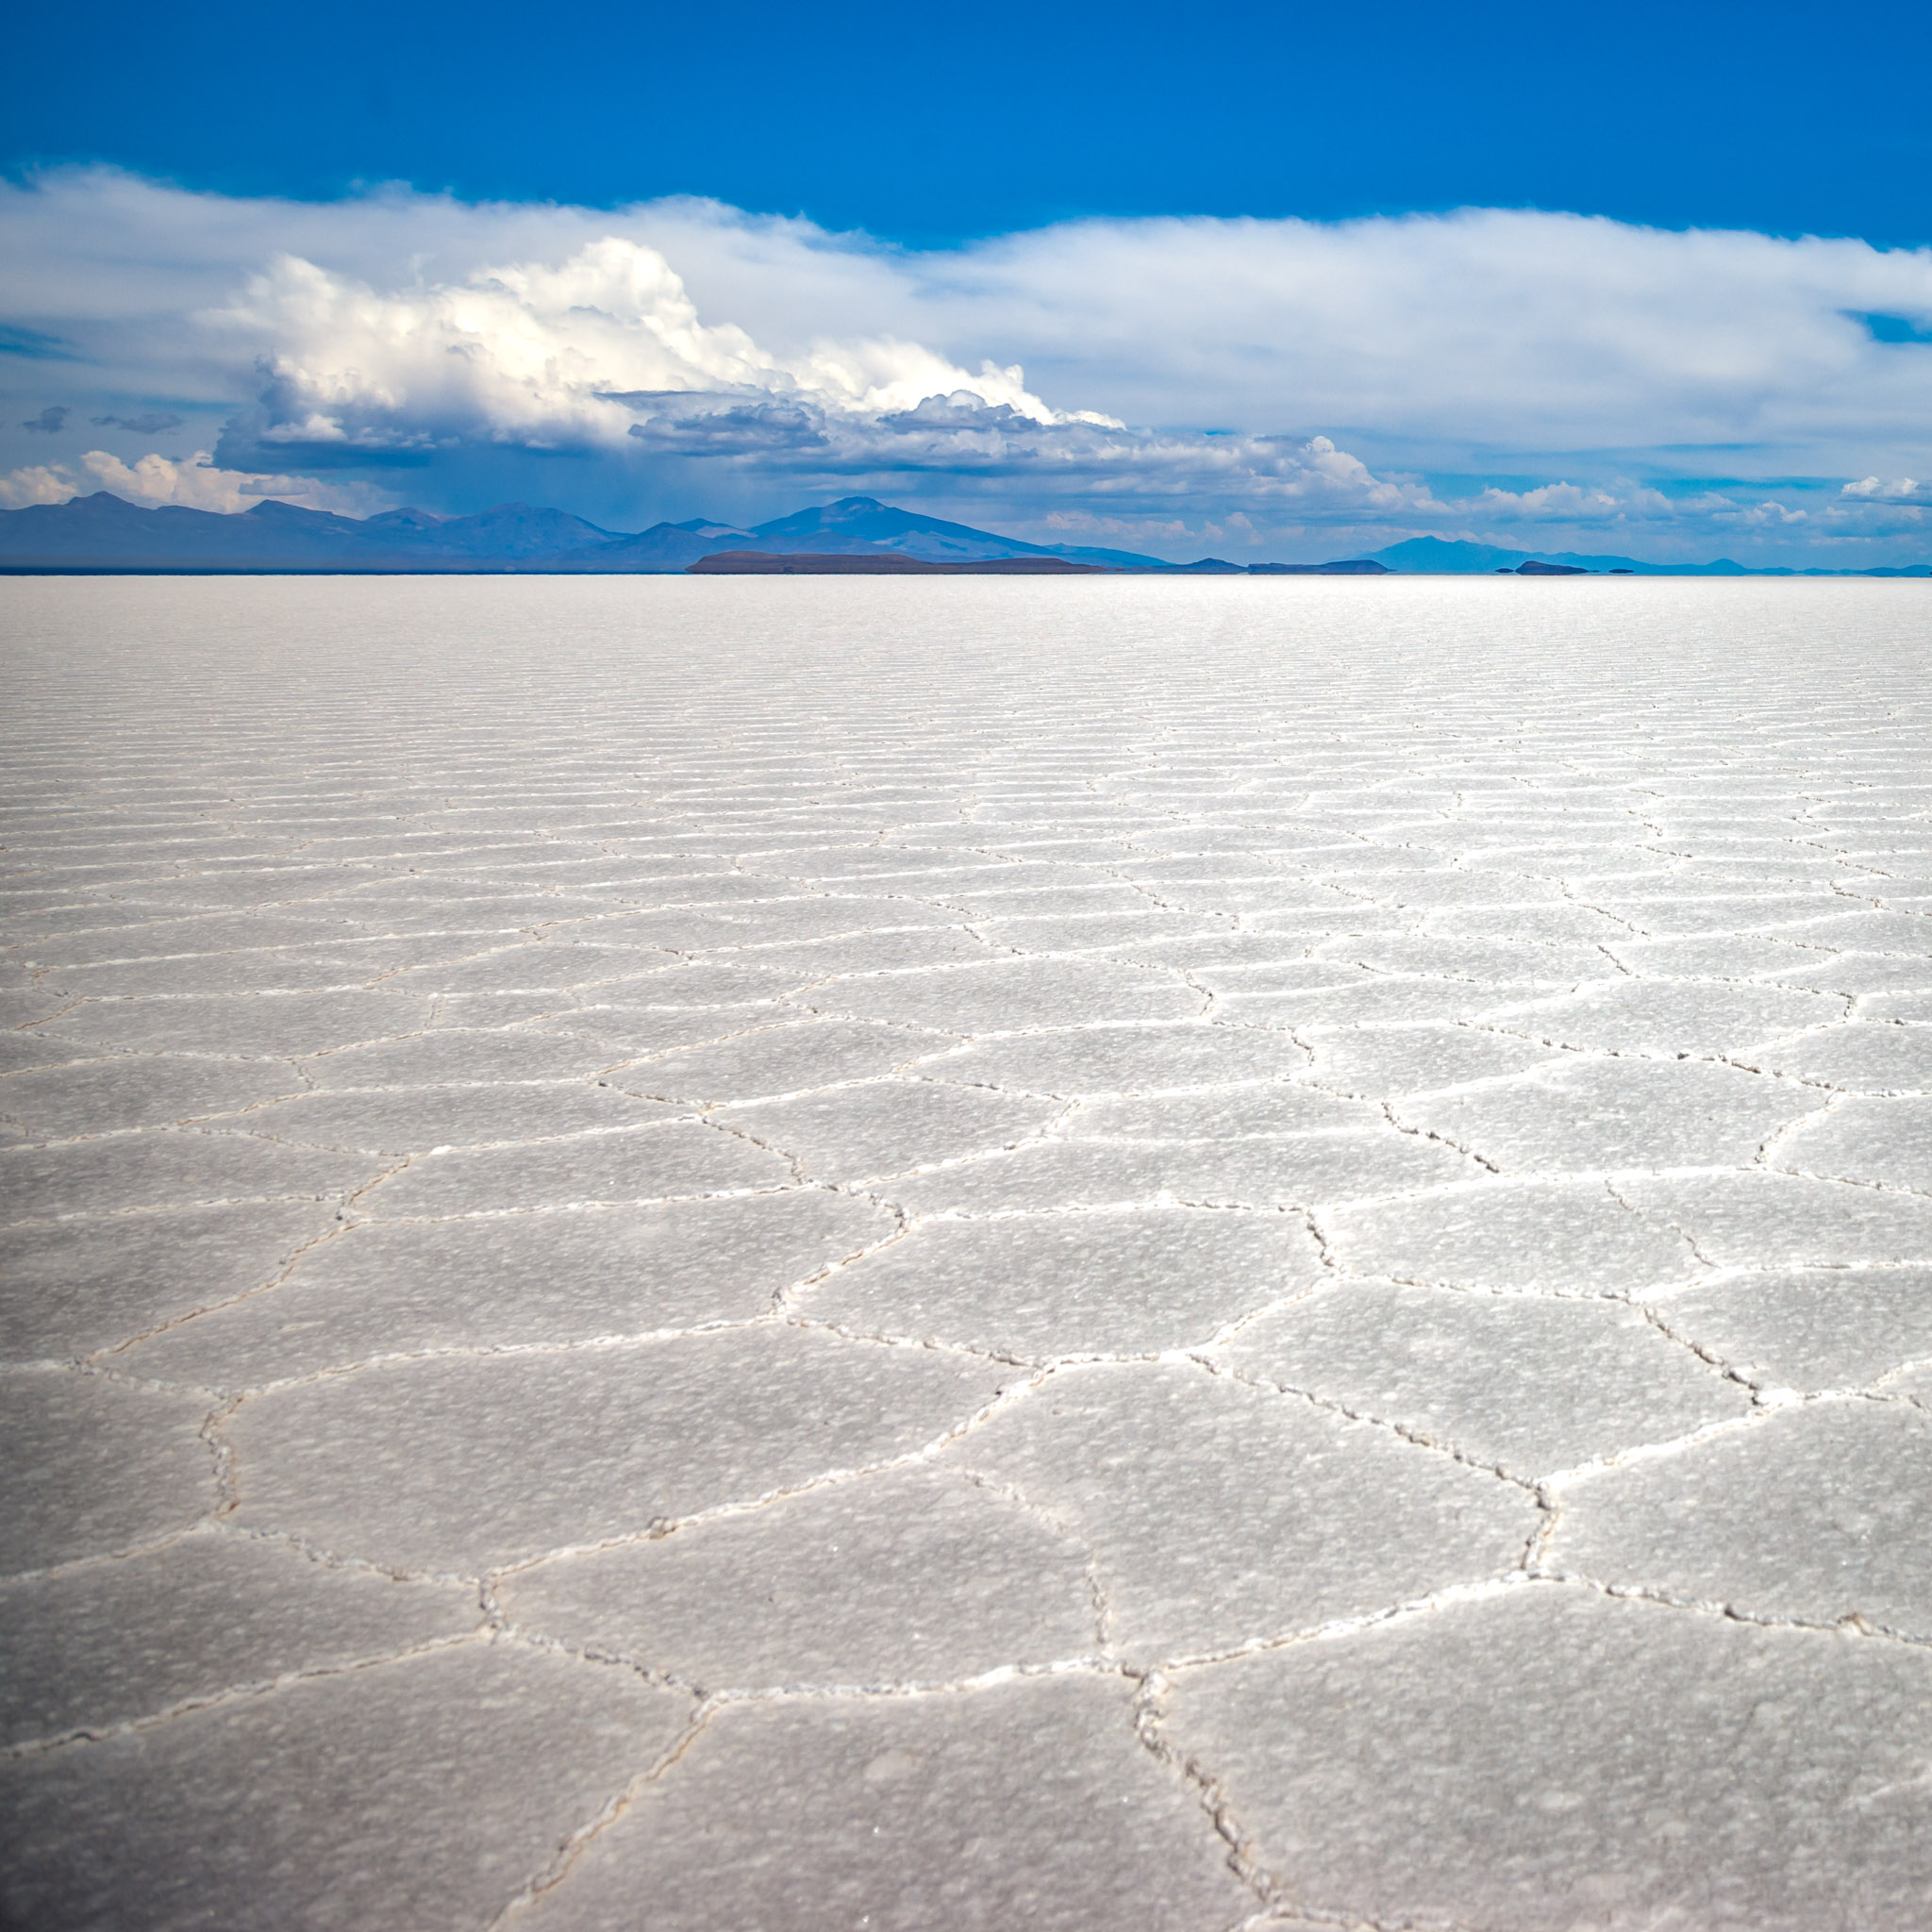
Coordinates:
[1899,489]
[36,483]
[569,357]
[1155,374]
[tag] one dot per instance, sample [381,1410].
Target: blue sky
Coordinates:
[930,125]
[882,201]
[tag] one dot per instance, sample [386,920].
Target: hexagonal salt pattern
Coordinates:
[1547,1758]
[1192,1254]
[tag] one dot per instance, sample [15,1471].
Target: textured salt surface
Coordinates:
[723,1255]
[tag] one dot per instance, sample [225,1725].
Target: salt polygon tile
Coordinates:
[1884,1141]
[1499,962]
[1680,914]
[1670,1016]
[1814,1515]
[1274,1111]
[1861,1056]
[777,1060]
[1066,894]
[826,915]
[1043,1285]
[458,1054]
[460,1464]
[1126,1059]
[722,979]
[1656,1768]
[1261,1173]
[1304,1170]
[1220,1513]
[1382,1061]
[1572,1237]
[1244,890]
[244,881]
[167,1167]
[1040,1175]
[1914,1007]
[1718,955]
[802,964]
[89,1466]
[465,910]
[1788,1219]
[679,1159]
[1913,1384]
[105,1643]
[1294,1923]
[1083,931]
[1526,1383]
[536,967]
[877,864]
[495,1012]
[1027,1802]
[682,928]
[1863,975]
[1870,929]
[1374,1002]
[386,956]
[28,1053]
[133,1090]
[248,1026]
[516,1281]
[1809,1329]
[288,970]
[887,1127]
[615,1036]
[1016,996]
[1219,959]
[74,1289]
[909,1576]
[29,1005]
[1299,912]
[1723,870]
[1374,867]
[1617,1113]
[107,931]
[1549,924]
[386,1120]
[425,1792]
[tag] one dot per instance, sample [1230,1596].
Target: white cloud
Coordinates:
[35,483]
[194,482]
[569,357]
[1768,515]
[1900,489]
[703,353]
[1484,328]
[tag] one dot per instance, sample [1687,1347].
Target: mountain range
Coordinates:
[106,533]
[1438,556]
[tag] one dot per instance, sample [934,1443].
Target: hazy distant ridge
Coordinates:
[104,532]
[1438,556]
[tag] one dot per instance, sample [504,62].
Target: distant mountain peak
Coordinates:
[105,532]
[705,526]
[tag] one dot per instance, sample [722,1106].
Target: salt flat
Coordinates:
[713,1253]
